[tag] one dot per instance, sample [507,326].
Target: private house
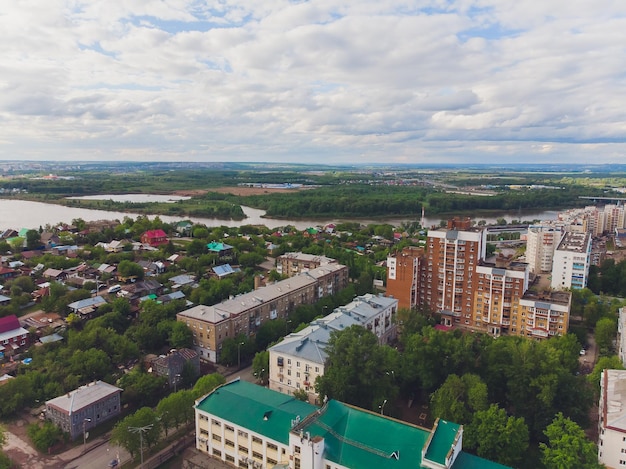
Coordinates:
[171,365]
[183,228]
[152,268]
[250,426]
[182,280]
[4,300]
[86,307]
[136,290]
[49,240]
[154,238]
[221,249]
[54,274]
[225,270]
[84,408]
[7,272]
[13,337]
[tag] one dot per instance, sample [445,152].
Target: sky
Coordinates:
[318,81]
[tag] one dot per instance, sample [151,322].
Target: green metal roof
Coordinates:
[442,441]
[469,461]
[357,438]
[260,410]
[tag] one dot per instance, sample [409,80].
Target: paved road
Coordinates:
[99,457]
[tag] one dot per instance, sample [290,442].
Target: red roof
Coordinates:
[156,234]
[9,323]
[443,327]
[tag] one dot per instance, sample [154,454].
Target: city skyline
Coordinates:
[398,82]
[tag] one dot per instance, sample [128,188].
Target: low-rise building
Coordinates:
[249,426]
[244,314]
[294,263]
[84,408]
[13,337]
[171,365]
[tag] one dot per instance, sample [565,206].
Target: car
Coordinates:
[583,351]
[113,463]
[114,289]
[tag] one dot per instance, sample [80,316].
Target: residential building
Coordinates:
[244,314]
[294,263]
[572,258]
[221,249]
[13,337]
[154,238]
[621,335]
[541,242]
[87,307]
[171,365]
[249,426]
[542,315]
[450,278]
[84,408]
[299,358]
[612,419]
[404,270]
[499,289]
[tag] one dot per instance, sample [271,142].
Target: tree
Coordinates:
[206,384]
[261,365]
[568,447]
[606,329]
[604,363]
[356,369]
[301,395]
[33,239]
[497,437]
[44,436]
[176,409]
[125,432]
[459,398]
[130,269]
[180,335]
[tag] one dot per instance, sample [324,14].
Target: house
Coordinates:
[4,300]
[247,425]
[294,263]
[154,238]
[49,240]
[84,408]
[86,307]
[152,268]
[184,227]
[221,249]
[54,274]
[41,321]
[7,272]
[13,337]
[222,271]
[182,280]
[135,291]
[171,365]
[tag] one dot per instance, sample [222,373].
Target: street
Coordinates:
[99,457]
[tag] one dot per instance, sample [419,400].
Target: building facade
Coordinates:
[294,263]
[84,408]
[542,315]
[572,258]
[541,242]
[612,419]
[244,314]
[249,426]
[404,276]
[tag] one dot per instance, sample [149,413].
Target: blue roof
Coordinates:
[224,270]
[95,301]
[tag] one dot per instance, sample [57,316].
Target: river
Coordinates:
[17,214]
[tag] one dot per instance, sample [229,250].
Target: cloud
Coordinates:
[370,81]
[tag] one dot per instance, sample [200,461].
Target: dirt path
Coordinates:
[19,449]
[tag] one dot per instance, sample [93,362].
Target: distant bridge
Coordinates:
[619,199]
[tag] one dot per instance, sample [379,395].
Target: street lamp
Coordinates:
[382,407]
[85,434]
[141,431]
[239,355]
[176,378]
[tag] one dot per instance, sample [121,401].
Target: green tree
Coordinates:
[606,330]
[33,239]
[497,437]
[180,335]
[604,363]
[130,269]
[206,384]
[356,369]
[568,447]
[261,365]
[126,432]
[459,398]
[45,435]
[176,409]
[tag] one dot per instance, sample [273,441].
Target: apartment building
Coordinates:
[299,358]
[621,335]
[542,315]
[404,271]
[248,426]
[541,242]
[450,270]
[294,263]
[572,258]
[84,408]
[499,289]
[244,314]
[612,421]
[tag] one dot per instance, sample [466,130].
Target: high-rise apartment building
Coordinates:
[403,276]
[540,246]
[572,257]
[450,270]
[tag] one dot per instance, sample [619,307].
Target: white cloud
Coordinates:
[410,81]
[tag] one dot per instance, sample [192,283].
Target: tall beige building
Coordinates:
[541,243]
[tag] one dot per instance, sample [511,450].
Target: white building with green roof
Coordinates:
[250,426]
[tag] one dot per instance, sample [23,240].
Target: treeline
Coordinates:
[507,392]
[609,278]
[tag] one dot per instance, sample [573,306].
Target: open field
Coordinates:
[242,191]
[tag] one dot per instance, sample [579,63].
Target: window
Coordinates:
[229,443]
[217,452]
[256,455]
[242,434]
[216,437]
[243,449]
[230,458]
[256,439]
[272,446]
[228,428]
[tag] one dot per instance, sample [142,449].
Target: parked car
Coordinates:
[583,351]
[113,463]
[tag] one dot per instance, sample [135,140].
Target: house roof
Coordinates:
[82,397]
[87,302]
[155,234]
[260,410]
[9,323]
[224,270]
[444,436]
[218,247]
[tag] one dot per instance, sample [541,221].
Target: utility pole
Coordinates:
[141,431]
[85,434]
[239,355]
